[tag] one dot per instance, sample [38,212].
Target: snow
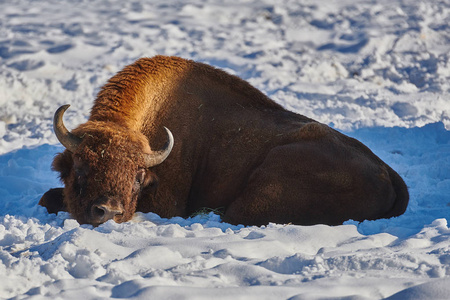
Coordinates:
[377,70]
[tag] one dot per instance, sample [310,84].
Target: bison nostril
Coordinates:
[98,211]
[103,213]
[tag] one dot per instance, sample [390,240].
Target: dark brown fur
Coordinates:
[234,148]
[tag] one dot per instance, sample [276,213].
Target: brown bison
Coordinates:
[233,149]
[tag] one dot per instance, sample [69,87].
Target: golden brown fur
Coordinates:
[234,149]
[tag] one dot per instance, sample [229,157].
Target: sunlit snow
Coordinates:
[377,70]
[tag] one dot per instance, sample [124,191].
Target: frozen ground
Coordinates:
[378,70]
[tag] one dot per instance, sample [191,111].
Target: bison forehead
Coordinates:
[103,144]
[98,134]
[108,156]
[98,177]
[108,160]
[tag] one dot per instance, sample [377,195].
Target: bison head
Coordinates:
[105,168]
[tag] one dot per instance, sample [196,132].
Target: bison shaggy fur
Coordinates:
[234,149]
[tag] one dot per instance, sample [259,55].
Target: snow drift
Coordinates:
[378,70]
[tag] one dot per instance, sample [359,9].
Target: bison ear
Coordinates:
[53,200]
[63,163]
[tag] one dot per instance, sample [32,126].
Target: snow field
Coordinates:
[378,70]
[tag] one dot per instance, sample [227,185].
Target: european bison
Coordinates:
[233,149]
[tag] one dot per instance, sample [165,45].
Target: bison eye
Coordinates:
[139,180]
[144,179]
[140,176]
[80,180]
[80,174]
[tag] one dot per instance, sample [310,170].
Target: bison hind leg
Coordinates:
[53,200]
[314,182]
[271,194]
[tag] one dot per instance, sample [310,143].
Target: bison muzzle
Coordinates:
[232,148]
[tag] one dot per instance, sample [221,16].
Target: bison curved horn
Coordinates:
[67,139]
[158,157]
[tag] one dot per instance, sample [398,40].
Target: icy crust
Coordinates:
[377,70]
[145,258]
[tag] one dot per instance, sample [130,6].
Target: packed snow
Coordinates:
[377,70]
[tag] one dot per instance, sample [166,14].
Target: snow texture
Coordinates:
[378,70]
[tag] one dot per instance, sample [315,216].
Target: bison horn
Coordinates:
[67,139]
[158,157]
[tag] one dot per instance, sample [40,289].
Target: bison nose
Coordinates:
[101,213]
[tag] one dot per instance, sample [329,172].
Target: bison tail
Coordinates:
[402,195]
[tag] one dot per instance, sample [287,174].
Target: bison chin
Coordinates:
[102,211]
[96,214]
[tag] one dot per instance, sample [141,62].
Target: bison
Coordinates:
[229,147]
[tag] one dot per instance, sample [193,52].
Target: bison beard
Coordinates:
[234,149]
